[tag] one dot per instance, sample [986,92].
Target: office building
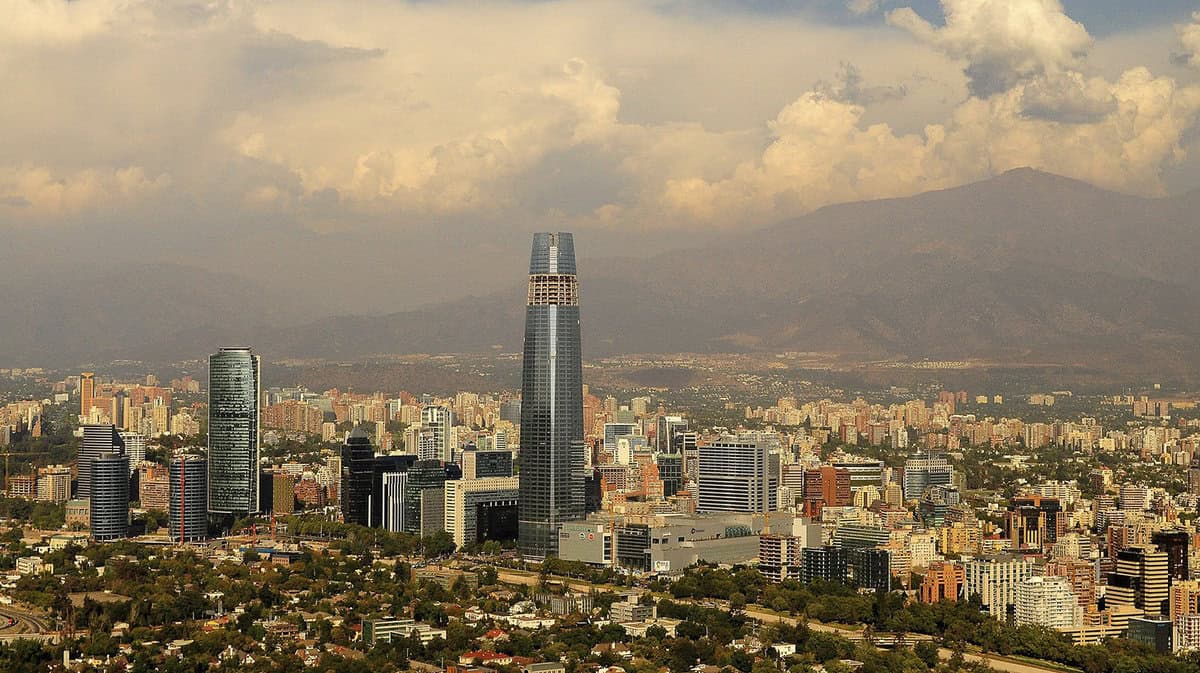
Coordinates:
[108,509]
[478,510]
[383,630]
[552,449]
[852,535]
[739,474]
[189,499]
[385,465]
[98,440]
[670,471]
[613,431]
[1033,521]
[942,582]
[422,476]
[1175,544]
[863,473]
[478,464]
[87,392]
[391,500]
[923,470]
[234,385]
[666,431]
[1154,631]
[665,543]
[358,467]
[860,568]
[1141,580]
[825,486]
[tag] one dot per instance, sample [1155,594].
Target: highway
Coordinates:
[15,624]
[1001,664]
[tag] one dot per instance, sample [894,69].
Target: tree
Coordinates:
[927,651]
[737,602]
[438,544]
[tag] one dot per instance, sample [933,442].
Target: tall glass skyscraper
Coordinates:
[97,441]
[234,385]
[552,450]
[108,506]
[358,466]
[188,509]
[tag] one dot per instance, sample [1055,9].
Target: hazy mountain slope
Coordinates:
[1026,267]
[82,314]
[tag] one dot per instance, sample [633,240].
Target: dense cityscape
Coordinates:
[209,522]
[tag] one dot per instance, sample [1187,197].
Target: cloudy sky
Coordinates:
[380,154]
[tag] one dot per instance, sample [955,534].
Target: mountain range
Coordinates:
[1026,267]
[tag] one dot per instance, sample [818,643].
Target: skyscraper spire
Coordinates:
[552,450]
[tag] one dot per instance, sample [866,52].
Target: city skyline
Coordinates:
[890,309]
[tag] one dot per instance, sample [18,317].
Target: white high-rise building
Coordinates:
[393,501]
[995,580]
[434,443]
[135,448]
[1049,602]
[1135,497]
[1187,633]
[740,474]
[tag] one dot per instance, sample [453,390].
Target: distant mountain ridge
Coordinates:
[1024,267]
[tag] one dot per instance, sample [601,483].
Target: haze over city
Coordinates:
[285,141]
[745,336]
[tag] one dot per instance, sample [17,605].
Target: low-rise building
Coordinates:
[34,565]
[383,630]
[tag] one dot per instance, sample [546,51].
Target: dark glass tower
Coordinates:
[97,441]
[233,393]
[189,499]
[108,506]
[552,447]
[422,476]
[358,467]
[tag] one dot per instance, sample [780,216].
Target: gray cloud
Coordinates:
[848,87]
[1068,98]
[1188,51]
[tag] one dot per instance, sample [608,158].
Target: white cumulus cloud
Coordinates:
[1003,41]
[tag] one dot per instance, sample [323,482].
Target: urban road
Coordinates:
[760,614]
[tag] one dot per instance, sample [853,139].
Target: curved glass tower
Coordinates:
[188,509]
[233,393]
[108,507]
[552,450]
